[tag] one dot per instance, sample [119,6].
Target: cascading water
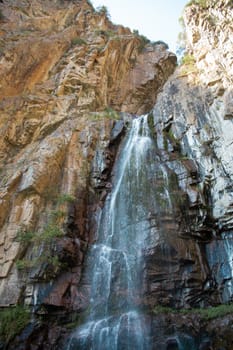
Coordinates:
[114,320]
[220,257]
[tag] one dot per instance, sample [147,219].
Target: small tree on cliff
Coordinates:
[103,10]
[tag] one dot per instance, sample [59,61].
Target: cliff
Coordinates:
[72,82]
[67,73]
[69,78]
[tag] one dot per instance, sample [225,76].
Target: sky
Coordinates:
[156,19]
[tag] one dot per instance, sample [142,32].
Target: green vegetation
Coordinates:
[163,310]
[212,20]
[52,195]
[50,232]
[209,313]
[103,10]
[106,33]
[78,41]
[188,59]
[143,40]
[160,42]
[108,113]
[202,3]
[44,238]
[215,312]
[188,64]
[65,198]
[12,321]
[24,236]
[25,264]
[170,137]
[58,214]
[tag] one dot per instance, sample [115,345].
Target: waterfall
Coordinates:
[115,261]
[220,257]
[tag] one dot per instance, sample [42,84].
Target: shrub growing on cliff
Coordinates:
[188,59]
[44,238]
[103,10]
[108,113]
[143,40]
[105,33]
[160,42]
[65,198]
[188,64]
[50,231]
[13,321]
[78,41]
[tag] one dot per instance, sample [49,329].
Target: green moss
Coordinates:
[215,312]
[163,310]
[13,321]
[151,121]
[169,137]
[209,313]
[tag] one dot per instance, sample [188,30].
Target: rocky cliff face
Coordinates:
[193,123]
[68,75]
[71,83]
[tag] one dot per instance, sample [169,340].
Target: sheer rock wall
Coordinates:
[71,82]
[67,72]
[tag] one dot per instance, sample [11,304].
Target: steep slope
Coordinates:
[193,123]
[70,79]
[72,83]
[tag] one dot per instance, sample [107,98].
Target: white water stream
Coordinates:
[114,321]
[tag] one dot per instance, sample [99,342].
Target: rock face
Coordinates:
[208,31]
[71,83]
[65,67]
